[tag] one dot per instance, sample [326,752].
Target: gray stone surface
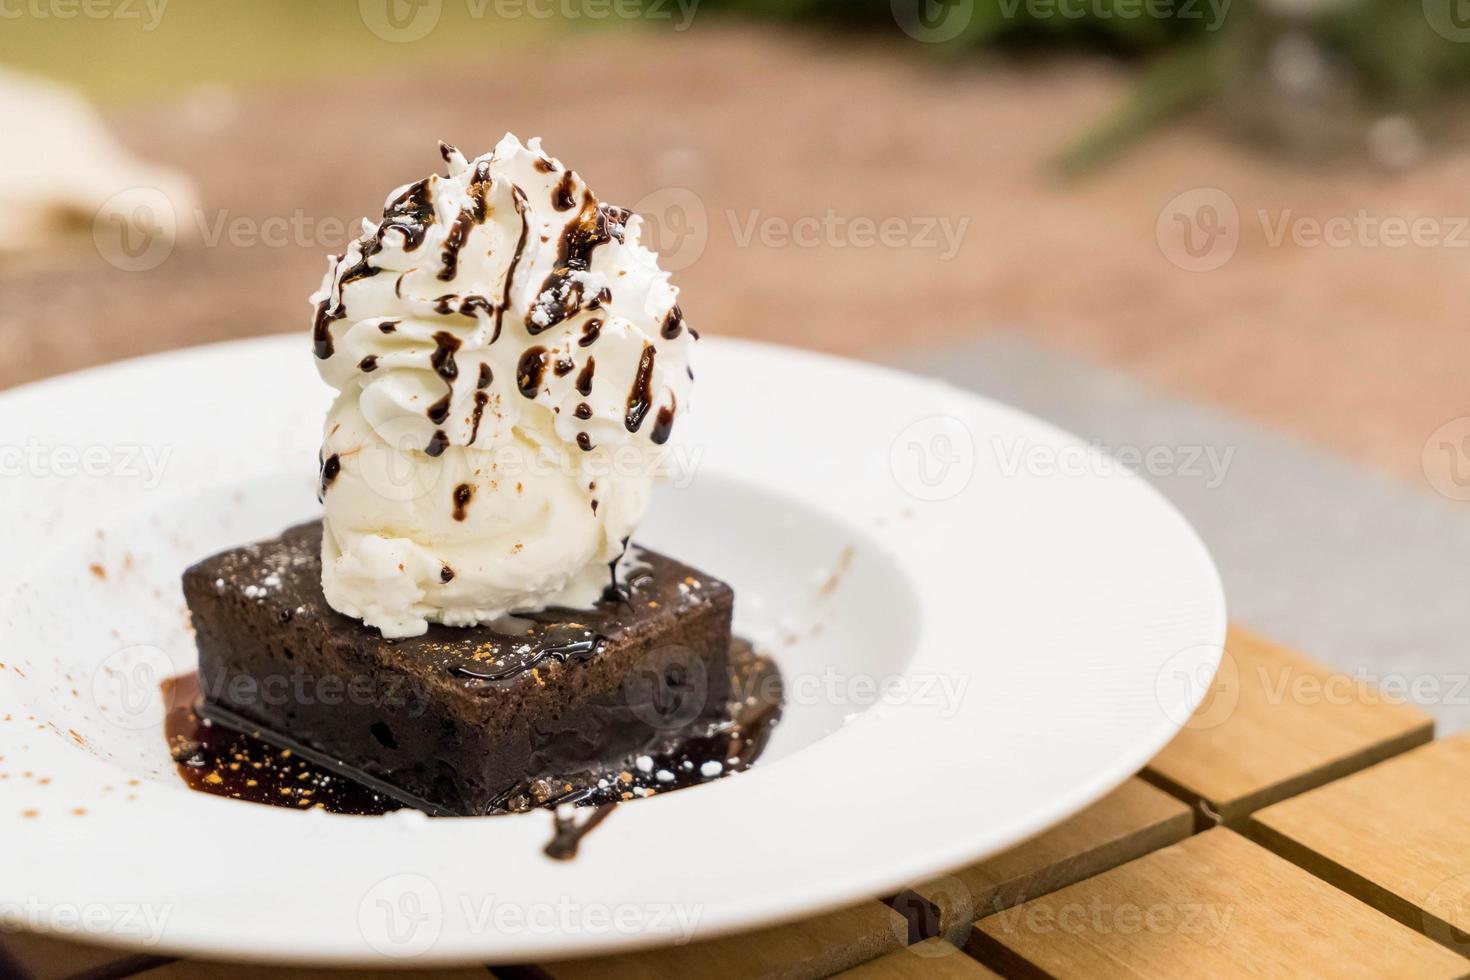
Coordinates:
[1359,570]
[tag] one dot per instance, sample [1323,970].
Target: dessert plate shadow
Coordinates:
[983,624]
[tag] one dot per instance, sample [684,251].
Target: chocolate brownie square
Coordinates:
[458,721]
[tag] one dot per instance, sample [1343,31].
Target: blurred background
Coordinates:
[1256,204]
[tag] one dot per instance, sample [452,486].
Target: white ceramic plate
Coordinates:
[1032,623]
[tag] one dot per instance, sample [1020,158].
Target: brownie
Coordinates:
[457,721]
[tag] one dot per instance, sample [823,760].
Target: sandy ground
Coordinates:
[759,154]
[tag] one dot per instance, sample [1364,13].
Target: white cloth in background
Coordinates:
[62,172]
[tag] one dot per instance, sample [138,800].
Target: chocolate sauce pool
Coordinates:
[222,761]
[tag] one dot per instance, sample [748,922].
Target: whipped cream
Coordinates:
[509,362]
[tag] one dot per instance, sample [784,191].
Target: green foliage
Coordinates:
[1306,75]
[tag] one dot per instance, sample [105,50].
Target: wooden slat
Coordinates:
[52,957]
[191,970]
[814,948]
[1276,724]
[1397,836]
[1215,905]
[932,959]
[1131,821]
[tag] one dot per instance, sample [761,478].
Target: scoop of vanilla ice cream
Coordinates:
[509,362]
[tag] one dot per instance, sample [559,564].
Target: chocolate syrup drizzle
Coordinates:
[579,645]
[568,833]
[467,304]
[479,190]
[615,591]
[463,494]
[584,377]
[519,197]
[640,398]
[482,397]
[561,196]
[321,328]
[331,466]
[442,360]
[560,296]
[531,370]
[663,423]
[459,233]
[410,214]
